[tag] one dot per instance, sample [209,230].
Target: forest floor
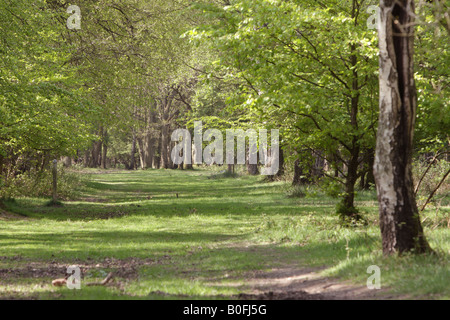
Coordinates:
[199,235]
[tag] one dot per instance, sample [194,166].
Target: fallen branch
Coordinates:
[103,283]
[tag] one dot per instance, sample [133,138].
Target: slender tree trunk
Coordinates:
[140,145]
[349,209]
[55,181]
[104,148]
[400,224]
[104,155]
[96,154]
[133,153]
[367,179]
[149,145]
[45,161]
[165,147]
[149,141]
[86,159]
[280,172]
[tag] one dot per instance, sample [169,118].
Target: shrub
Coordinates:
[39,184]
[331,187]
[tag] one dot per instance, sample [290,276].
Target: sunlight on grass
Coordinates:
[198,234]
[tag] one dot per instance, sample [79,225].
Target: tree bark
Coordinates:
[104,149]
[55,181]
[104,155]
[367,178]
[96,154]
[298,172]
[133,152]
[400,224]
[165,162]
[140,144]
[86,159]
[252,169]
[348,202]
[149,145]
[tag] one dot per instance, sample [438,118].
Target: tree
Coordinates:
[309,69]
[42,108]
[400,224]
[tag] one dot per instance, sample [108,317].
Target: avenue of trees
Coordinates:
[350,90]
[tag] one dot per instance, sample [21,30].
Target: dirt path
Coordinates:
[293,282]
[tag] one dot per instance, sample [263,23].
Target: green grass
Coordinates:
[201,233]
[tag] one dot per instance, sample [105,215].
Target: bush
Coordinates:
[39,184]
[331,187]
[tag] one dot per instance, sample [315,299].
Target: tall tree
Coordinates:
[309,69]
[399,217]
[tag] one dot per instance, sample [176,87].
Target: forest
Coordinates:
[224,149]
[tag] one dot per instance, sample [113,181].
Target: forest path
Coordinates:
[288,280]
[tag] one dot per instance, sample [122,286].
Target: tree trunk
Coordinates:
[348,209]
[298,172]
[104,148]
[400,225]
[367,179]
[280,172]
[149,145]
[149,141]
[55,181]
[133,153]
[96,154]
[86,159]
[104,155]
[252,169]
[165,163]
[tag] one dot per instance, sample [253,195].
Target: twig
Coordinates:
[428,169]
[435,190]
[103,283]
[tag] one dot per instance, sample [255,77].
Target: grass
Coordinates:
[195,234]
